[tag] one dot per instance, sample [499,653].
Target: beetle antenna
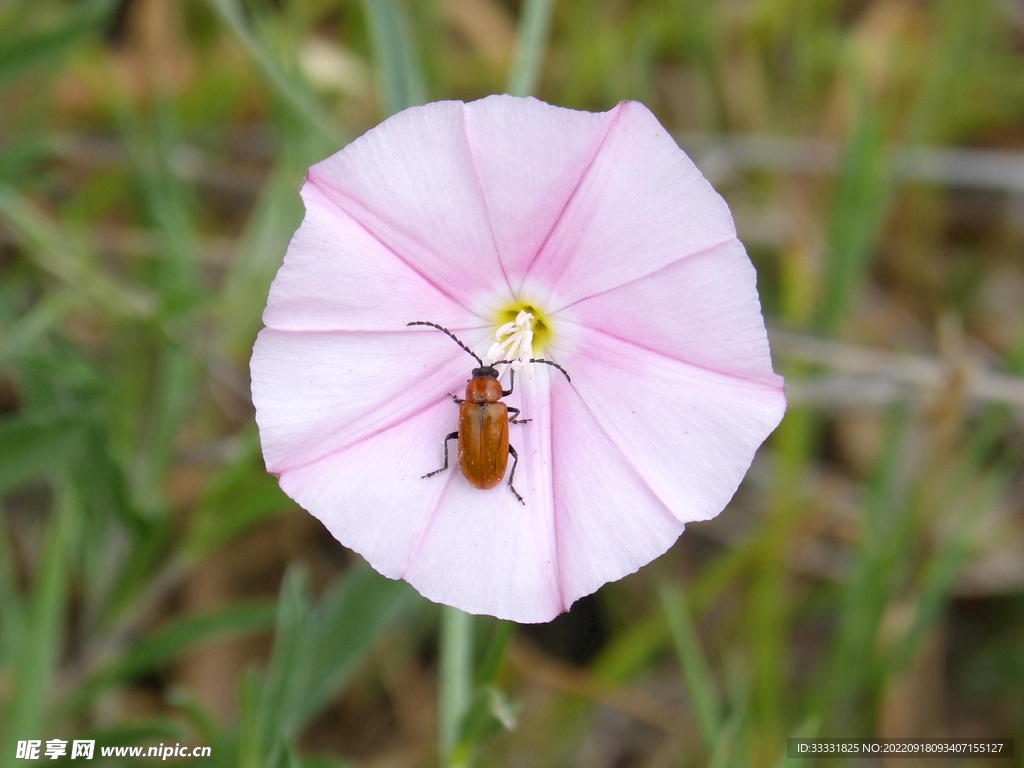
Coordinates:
[454,338]
[552,363]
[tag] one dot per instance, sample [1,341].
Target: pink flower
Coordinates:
[627,265]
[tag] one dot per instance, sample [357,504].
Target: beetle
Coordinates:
[483,422]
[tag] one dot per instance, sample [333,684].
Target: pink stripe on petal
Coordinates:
[641,205]
[702,309]
[529,156]
[336,276]
[609,521]
[318,393]
[371,496]
[484,551]
[690,433]
[412,183]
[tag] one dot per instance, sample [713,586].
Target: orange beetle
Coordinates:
[483,423]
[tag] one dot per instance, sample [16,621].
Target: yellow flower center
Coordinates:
[522,332]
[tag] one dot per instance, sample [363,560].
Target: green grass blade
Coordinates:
[489,667]
[54,251]
[962,33]
[240,496]
[174,390]
[171,641]
[639,646]
[1015,360]
[489,712]
[345,623]
[316,649]
[530,45]
[401,83]
[941,572]
[696,671]
[489,709]
[20,159]
[770,604]
[725,745]
[35,444]
[151,142]
[24,336]
[633,649]
[20,48]
[282,687]
[733,735]
[289,89]
[456,679]
[860,206]
[250,739]
[203,722]
[41,639]
[12,605]
[872,582]
[102,484]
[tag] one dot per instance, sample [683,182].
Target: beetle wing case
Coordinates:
[483,442]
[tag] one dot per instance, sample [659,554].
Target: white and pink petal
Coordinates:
[319,393]
[530,157]
[337,276]
[689,432]
[411,183]
[608,521]
[640,206]
[702,310]
[371,496]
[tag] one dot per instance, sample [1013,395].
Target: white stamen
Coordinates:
[514,341]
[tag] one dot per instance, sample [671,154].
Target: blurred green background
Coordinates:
[156,585]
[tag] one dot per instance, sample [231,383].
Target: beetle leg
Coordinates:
[511,382]
[516,421]
[451,436]
[512,474]
[458,400]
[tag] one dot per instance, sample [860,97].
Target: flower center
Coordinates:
[522,331]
